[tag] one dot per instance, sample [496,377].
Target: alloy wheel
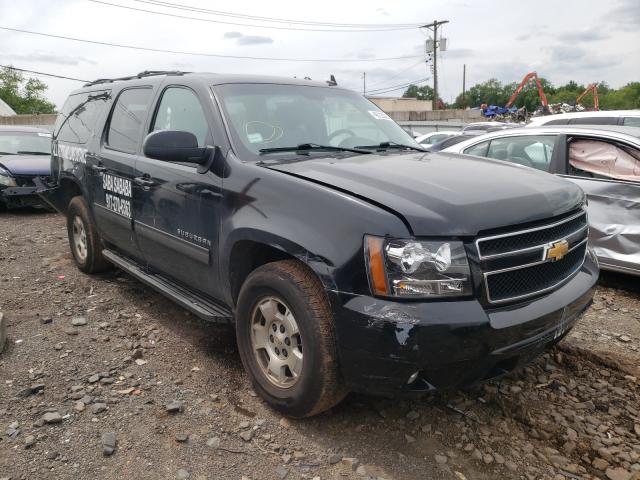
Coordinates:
[276,342]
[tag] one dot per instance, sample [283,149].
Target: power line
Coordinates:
[399,74]
[198,54]
[180,6]
[397,87]
[42,73]
[175,15]
[387,91]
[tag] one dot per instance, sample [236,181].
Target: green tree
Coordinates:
[493,92]
[625,98]
[24,96]
[421,93]
[490,92]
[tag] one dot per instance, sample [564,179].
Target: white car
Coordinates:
[434,137]
[626,118]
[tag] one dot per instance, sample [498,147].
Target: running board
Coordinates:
[205,309]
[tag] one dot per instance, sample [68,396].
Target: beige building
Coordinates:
[400,104]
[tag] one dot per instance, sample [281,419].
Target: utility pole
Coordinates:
[464,78]
[364,83]
[434,28]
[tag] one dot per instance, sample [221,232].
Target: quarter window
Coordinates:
[77,120]
[595,121]
[479,150]
[180,109]
[127,119]
[631,121]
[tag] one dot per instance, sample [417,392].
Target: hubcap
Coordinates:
[276,342]
[80,239]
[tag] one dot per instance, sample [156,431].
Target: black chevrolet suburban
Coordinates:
[346,257]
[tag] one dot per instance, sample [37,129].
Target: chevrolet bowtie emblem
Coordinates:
[556,251]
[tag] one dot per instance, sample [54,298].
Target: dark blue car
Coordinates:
[25,153]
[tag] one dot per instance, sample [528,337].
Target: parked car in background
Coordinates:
[450,141]
[484,127]
[626,118]
[346,257]
[604,162]
[25,153]
[434,137]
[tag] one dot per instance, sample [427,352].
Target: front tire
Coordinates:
[84,240]
[286,339]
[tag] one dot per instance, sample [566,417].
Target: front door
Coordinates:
[606,172]
[114,167]
[176,220]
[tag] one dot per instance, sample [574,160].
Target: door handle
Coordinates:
[144,181]
[99,168]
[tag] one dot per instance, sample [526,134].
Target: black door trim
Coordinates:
[173,242]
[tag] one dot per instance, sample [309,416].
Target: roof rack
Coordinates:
[146,73]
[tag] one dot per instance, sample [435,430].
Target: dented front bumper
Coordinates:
[383,343]
[16,197]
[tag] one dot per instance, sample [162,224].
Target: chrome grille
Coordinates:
[530,261]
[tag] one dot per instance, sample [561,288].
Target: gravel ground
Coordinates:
[104,378]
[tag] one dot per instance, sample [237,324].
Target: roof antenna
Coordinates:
[332,81]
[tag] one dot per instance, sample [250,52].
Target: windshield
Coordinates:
[267,116]
[13,143]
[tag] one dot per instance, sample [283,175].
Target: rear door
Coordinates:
[177,215]
[114,168]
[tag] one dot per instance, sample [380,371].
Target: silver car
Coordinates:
[603,161]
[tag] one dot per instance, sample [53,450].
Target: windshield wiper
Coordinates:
[386,145]
[27,152]
[303,147]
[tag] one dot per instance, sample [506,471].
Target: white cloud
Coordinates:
[521,41]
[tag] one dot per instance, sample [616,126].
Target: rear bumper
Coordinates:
[450,344]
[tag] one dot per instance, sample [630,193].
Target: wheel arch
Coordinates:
[250,249]
[68,187]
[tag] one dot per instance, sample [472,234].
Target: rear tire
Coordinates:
[286,339]
[84,240]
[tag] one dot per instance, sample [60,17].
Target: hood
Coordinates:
[445,194]
[27,164]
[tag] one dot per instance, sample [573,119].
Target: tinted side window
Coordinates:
[562,121]
[595,121]
[180,109]
[480,149]
[127,119]
[434,139]
[77,120]
[631,121]
[530,150]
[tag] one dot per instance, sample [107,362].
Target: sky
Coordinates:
[581,40]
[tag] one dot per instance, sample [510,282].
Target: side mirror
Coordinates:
[175,146]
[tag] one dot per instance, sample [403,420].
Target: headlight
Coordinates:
[417,269]
[6,179]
